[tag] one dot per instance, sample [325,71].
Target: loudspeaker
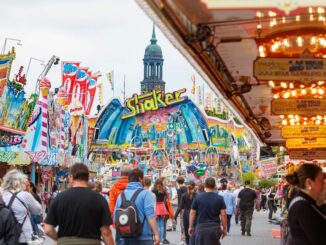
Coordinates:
[205,134]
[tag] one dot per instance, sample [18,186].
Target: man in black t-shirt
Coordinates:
[81,214]
[245,205]
[208,209]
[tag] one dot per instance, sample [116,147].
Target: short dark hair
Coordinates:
[224,187]
[79,171]
[147,181]
[135,175]
[247,182]
[210,183]
[180,180]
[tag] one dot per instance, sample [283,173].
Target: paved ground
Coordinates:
[261,233]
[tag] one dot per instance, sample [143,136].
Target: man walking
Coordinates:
[245,204]
[208,209]
[230,202]
[145,204]
[236,192]
[81,214]
[118,187]
[182,188]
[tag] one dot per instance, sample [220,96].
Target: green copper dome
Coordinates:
[153,50]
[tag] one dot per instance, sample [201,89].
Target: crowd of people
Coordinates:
[139,209]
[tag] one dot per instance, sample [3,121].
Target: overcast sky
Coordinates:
[102,34]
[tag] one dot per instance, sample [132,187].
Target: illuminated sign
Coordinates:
[301,143]
[304,131]
[302,107]
[284,69]
[283,5]
[9,140]
[139,104]
[268,167]
[308,154]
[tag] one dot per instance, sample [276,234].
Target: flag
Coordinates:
[90,94]
[80,85]
[110,77]
[69,72]
[193,79]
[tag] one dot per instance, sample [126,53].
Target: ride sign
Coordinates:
[139,104]
[302,107]
[302,143]
[318,154]
[304,131]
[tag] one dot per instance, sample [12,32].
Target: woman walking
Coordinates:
[162,211]
[271,202]
[185,204]
[306,221]
[21,202]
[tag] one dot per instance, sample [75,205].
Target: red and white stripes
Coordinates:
[44,129]
[62,129]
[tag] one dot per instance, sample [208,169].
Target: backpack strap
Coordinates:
[135,195]
[13,196]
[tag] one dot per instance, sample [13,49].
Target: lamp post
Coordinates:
[18,42]
[30,61]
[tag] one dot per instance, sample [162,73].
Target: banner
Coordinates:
[193,89]
[110,77]
[290,69]
[79,90]
[69,72]
[90,94]
[268,167]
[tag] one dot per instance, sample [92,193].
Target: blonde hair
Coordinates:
[14,180]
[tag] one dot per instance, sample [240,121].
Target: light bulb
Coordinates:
[300,41]
[284,122]
[291,85]
[304,123]
[313,91]
[321,91]
[294,93]
[276,96]
[303,91]
[282,116]
[272,84]
[318,122]
[286,95]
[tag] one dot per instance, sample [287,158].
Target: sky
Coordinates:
[103,35]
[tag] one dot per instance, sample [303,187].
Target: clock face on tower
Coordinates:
[158,87]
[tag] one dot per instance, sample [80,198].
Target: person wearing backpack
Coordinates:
[21,203]
[134,214]
[81,215]
[7,225]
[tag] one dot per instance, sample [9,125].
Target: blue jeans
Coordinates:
[160,224]
[35,220]
[229,216]
[136,242]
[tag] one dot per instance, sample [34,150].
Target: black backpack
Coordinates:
[126,218]
[18,226]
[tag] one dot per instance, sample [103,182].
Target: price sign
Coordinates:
[302,107]
[318,154]
[318,131]
[302,143]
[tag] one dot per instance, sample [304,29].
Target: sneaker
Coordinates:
[168,229]
[182,243]
[248,234]
[166,241]
[243,233]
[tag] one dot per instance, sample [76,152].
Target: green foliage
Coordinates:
[236,120]
[248,176]
[266,183]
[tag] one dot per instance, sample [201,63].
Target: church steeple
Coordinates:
[153,67]
[153,39]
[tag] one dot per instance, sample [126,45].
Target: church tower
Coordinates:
[153,67]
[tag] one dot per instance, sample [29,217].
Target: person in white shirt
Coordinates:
[23,204]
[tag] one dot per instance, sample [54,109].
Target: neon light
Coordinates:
[139,104]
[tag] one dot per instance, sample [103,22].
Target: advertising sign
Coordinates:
[290,69]
[159,159]
[268,167]
[318,154]
[302,143]
[139,104]
[304,131]
[302,107]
